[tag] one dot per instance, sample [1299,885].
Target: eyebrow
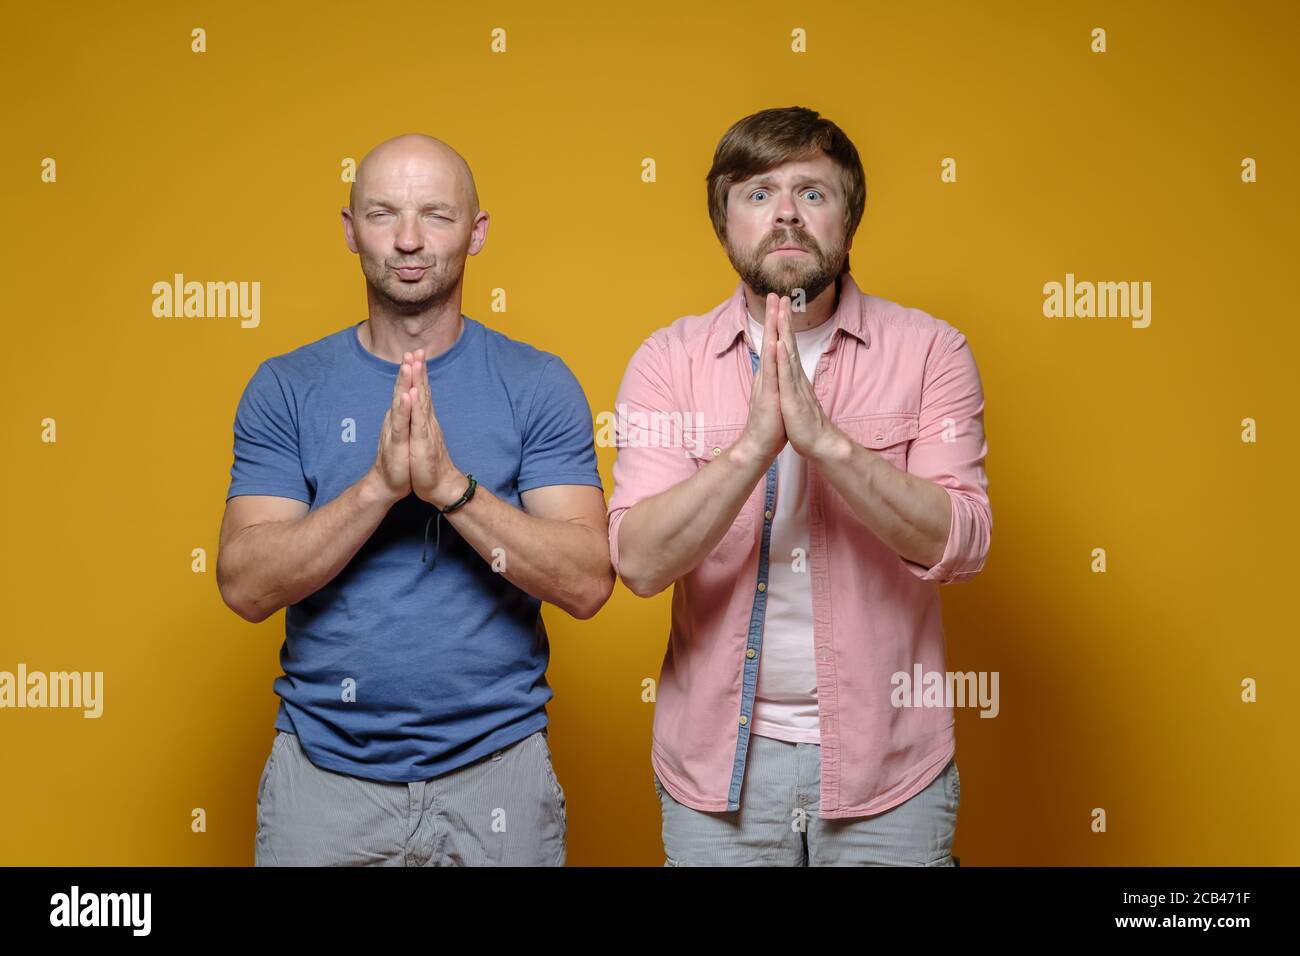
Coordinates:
[385,204]
[810,181]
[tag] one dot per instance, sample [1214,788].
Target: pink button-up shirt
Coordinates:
[896,380]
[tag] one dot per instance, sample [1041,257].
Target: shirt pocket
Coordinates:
[888,434]
[704,446]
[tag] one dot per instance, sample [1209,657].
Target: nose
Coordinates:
[787,213]
[408,237]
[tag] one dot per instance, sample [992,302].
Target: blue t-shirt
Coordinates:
[448,657]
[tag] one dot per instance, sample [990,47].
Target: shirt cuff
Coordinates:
[964,552]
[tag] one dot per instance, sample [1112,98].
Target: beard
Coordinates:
[813,273]
[407,298]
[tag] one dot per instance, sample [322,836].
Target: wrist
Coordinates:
[831,446]
[745,454]
[374,491]
[450,491]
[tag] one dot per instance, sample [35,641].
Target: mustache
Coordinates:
[792,238]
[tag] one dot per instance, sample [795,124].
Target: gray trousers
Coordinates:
[777,823]
[506,809]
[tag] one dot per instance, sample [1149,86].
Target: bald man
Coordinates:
[411,488]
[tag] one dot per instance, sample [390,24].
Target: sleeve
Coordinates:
[266,455]
[645,465]
[559,446]
[949,450]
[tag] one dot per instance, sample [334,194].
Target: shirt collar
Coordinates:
[730,322]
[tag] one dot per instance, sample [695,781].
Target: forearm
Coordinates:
[666,536]
[564,563]
[909,514]
[274,564]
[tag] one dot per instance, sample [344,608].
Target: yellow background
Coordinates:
[1118,690]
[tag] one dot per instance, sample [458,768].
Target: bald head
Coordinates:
[399,167]
[412,218]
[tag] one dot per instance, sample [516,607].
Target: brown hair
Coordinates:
[768,138]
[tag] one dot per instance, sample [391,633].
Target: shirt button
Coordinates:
[768,514]
[716,451]
[743,720]
[749,652]
[762,585]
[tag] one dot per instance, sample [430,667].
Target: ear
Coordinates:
[349,234]
[478,233]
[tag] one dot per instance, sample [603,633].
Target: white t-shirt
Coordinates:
[785,705]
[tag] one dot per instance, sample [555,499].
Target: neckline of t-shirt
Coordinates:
[802,336]
[469,328]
